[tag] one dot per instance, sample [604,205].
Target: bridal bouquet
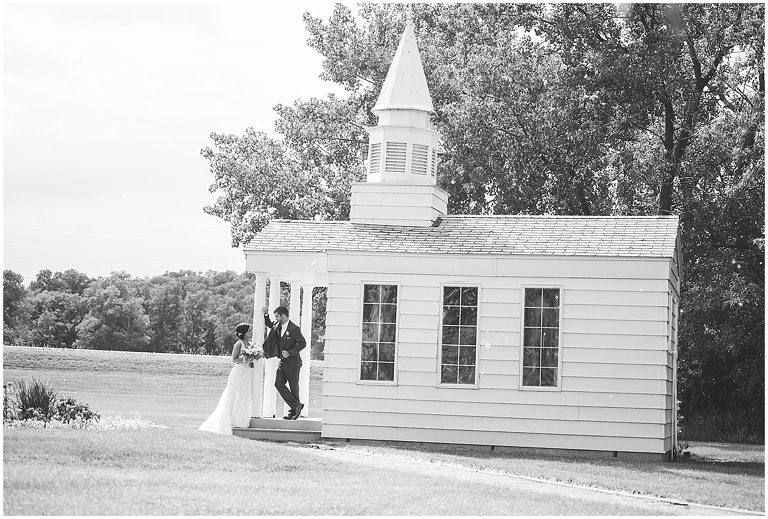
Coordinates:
[251,354]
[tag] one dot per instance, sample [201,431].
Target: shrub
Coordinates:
[35,399]
[69,409]
[728,426]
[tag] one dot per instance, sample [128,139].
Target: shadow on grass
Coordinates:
[748,468]
[698,463]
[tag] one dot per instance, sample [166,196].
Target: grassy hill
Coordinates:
[178,470]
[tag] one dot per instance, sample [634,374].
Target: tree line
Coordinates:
[177,312]
[571,109]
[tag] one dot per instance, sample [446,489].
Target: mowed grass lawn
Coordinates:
[179,470]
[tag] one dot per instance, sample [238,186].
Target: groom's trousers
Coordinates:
[291,376]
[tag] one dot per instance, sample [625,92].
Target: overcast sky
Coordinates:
[105,110]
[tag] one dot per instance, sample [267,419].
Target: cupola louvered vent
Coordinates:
[419,159]
[375,158]
[433,168]
[395,159]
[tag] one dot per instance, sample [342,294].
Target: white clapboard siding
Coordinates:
[338,289]
[424,420]
[418,335]
[498,367]
[369,265]
[542,398]
[497,352]
[588,369]
[506,310]
[635,328]
[429,294]
[614,297]
[345,304]
[341,360]
[616,312]
[424,322]
[336,318]
[621,414]
[334,374]
[499,324]
[555,441]
[418,309]
[494,294]
[496,381]
[559,267]
[509,337]
[417,349]
[342,332]
[614,385]
[415,378]
[426,365]
[630,285]
[341,346]
[614,356]
[505,410]
[612,341]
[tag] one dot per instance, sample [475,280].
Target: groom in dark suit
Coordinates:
[285,341]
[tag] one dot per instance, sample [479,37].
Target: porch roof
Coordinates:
[617,236]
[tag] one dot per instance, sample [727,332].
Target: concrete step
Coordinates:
[302,424]
[305,430]
[292,435]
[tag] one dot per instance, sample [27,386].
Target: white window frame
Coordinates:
[521,355]
[360,380]
[439,382]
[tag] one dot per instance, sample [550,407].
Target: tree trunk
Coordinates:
[671,165]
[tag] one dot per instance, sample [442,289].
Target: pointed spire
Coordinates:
[405,87]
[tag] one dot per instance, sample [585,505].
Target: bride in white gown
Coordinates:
[234,407]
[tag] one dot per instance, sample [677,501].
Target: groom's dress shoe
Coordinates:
[297,412]
[289,416]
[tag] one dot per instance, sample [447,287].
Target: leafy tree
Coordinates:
[722,338]
[70,281]
[195,318]
[54,318]
[14,314]
[319,302]
[116,319]
[165,309]
[663,68]
[260,179]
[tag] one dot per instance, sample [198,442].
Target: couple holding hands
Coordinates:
[284,341]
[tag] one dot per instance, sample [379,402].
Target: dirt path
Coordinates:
[651,505]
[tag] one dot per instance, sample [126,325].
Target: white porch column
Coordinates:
[270,365]
[306,330]
[293,315]
[258,338]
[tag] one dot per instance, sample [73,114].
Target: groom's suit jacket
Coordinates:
[292,342]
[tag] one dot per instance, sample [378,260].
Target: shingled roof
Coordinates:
[651,237]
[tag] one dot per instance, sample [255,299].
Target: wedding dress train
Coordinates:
[234,407]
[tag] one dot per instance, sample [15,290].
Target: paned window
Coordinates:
[377,354]
[541,337]
[459,345]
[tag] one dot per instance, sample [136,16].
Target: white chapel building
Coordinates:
[547,332]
